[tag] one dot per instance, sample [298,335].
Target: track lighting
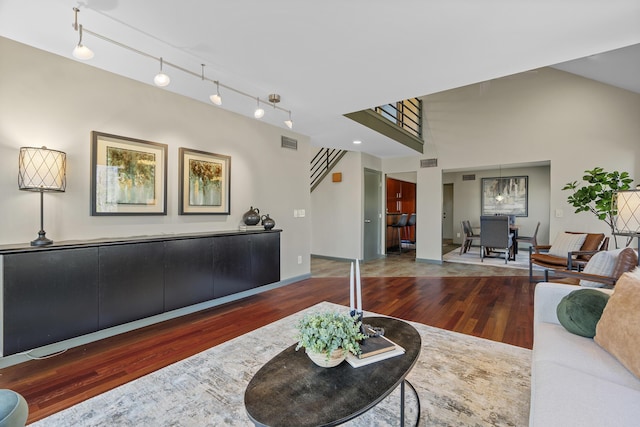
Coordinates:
[161,79]
[80,51]
[259,113]
[289,122]
[216,98]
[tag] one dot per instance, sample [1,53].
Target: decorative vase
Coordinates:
[335,358]
[251,217]
[267,222]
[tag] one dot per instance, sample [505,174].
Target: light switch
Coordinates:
[559,213]
[295,213]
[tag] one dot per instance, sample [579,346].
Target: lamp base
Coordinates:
[41,240]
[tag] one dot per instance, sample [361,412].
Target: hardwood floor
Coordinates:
[496,308]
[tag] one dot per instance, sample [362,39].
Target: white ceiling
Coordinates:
[333,57]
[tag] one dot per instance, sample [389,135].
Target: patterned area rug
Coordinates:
[473,257]
[461,381]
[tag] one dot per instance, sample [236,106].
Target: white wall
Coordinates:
[338,209]
[548,115]
[467,199]
[336,228]
[49,100]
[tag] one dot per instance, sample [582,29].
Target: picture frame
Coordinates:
[205,183]
[506,195]
[128,176]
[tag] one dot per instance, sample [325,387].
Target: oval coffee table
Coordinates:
[290,390]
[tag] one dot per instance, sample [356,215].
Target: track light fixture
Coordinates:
[80,51]
[161,79]
[216,98]
[259,113]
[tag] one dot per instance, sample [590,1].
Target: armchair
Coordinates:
[539,254]
[625,260]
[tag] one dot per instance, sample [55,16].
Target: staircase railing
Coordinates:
[322,163]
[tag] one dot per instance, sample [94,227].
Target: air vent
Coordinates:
[471,177]
[289,143]
[428,163]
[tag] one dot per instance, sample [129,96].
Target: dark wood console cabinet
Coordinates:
[71,289]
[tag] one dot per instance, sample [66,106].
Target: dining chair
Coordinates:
[529,239]
[495,236]
[468,237]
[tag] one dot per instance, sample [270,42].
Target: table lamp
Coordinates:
[40,170]
[628,217]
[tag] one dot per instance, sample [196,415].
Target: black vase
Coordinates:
[267,222]
[251,217]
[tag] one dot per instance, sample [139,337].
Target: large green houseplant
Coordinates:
[325,334]
[596,193]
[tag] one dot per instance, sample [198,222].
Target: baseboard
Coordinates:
[429,261]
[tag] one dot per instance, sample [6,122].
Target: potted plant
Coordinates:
[598,193]
[327,337]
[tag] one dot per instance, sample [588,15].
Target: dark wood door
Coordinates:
[131,282]
[265,258]
[188,272]
[48,297]
[231,265]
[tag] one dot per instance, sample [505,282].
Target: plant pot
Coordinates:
[335,358]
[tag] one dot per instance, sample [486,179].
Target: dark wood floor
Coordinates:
[496,308]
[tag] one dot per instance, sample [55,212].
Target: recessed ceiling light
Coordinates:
[357,141]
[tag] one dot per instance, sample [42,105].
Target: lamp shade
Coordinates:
[41,169]
[628,206]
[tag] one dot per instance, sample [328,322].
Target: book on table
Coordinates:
[375,345]
[374,349]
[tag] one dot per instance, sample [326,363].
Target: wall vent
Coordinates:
[428,163]
[289,143]
[471,177]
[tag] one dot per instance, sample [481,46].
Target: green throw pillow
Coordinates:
[580,311]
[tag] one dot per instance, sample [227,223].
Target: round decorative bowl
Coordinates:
[335,358]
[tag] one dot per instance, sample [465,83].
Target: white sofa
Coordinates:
[574,382]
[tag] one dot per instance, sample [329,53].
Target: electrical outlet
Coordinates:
[299,259]
[301,213]
[559,213]
[457,234]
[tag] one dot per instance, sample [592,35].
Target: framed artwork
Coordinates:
[505,196]
[205,183]
[128,176]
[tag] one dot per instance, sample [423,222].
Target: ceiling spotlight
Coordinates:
[161,79]
[80,51]
[259,113]
[216,98]
[289,122]
[357,141]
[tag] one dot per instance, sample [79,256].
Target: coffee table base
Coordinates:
[402,402]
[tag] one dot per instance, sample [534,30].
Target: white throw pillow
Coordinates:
[635,273]
[565,243]
[602,264]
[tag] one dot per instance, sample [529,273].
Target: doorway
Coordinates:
[447,214]
[401,191]
[372,215]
